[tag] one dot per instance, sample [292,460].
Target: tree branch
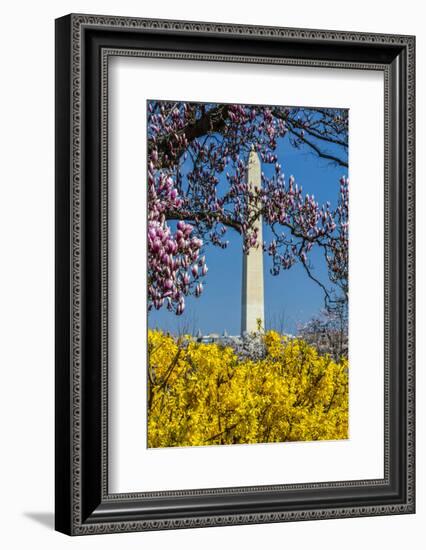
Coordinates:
[309,130]
[317,150]
[211,121]
[201,216]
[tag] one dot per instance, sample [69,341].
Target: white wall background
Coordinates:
[26,289]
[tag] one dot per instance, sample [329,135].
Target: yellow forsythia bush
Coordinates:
[202,394]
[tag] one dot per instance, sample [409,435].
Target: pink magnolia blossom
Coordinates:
[193,149]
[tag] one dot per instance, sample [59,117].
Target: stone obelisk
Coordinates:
[252,302]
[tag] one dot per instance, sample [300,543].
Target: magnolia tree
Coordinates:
[328,331]
[197,192]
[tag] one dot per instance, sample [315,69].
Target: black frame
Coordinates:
[83,45]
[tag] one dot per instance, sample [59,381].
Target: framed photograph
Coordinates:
[234,274]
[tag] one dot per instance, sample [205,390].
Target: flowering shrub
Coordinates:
[202,394]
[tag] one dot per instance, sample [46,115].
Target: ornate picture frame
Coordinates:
[84,45]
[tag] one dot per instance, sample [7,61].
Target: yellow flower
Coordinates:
[202,394]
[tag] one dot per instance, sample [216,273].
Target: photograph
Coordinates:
[248,261]
[234,271]
[211,281]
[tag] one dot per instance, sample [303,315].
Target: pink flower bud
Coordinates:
[168,283]
[156,245]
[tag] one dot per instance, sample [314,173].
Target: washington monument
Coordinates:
[252,300]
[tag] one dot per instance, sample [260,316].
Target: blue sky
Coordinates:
[291,296]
